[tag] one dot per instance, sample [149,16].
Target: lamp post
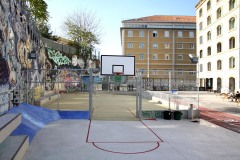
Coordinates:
[195,60]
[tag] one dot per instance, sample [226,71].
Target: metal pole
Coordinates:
[148,52]
[140,96]
[90,93]
[58,88]
[27,86]
[170,81]
[137,93]
[198,79]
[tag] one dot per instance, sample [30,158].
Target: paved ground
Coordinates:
[112,139]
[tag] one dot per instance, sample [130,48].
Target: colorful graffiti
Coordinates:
[18,37]
[58,58]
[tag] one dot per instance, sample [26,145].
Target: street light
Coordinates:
[195,60]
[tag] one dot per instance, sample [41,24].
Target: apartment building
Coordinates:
[161,44]
[218,44]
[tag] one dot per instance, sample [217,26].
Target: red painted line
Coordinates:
[89,126]
[158,144]
[128,142]
[149,128]
[152,132]
[132,113]
[150,119]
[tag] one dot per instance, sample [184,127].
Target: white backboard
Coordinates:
[115,63]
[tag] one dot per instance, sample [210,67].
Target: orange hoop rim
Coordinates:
[118,73]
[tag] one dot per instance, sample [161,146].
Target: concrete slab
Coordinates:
[182,140]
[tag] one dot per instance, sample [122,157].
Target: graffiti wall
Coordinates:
[18,37]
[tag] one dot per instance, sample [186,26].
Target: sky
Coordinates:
[112,12]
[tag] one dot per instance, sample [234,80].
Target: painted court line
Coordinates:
[126,146]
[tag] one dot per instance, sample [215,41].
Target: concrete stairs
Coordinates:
[48,96]
[12,147]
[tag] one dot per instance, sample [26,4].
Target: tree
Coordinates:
[45,31]
[84,30]
[38,9]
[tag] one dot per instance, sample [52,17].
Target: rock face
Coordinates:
[18,37]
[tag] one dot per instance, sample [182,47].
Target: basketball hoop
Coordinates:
[117,76]
[117,73]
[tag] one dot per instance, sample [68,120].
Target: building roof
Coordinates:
[163,18]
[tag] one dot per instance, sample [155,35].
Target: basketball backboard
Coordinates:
[111,64]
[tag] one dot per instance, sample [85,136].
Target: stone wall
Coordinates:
[18,37]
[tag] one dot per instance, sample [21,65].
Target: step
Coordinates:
[46,99]
[8,123]
[48,93]
[14,147]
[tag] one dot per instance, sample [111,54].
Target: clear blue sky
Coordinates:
[112,12]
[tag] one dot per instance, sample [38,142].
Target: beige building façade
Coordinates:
[161,44]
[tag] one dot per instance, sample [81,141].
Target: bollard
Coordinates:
[190,112]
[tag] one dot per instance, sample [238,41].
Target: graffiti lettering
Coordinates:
[58,58]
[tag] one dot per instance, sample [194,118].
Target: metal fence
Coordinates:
[62,82]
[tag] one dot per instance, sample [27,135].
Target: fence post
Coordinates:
[90,93]
[137,94]
[140,96]
[27,86]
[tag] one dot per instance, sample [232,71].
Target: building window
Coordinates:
[166,33]
[179,57]
[231,23]
[180,46]
[141,33]
[219,30]
[209,52]
[166,45]
[209,35]
[219,65]
[219,47]
[231,62]
[154,72]
[200,39]
[201,54]
[201,67]
[192,72]
[130,54]
[231,4]
[209,66]
[141,56]
[191,34]
[200,26]
[200,12]
[155,34]
[155,45]
[208,5]
[180,34]
[130,45]
[209,19]
[191,45]
[231,43]
[180,71]
[155,57]
[219,13]
[166,57]
[141,45]
[130,33]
